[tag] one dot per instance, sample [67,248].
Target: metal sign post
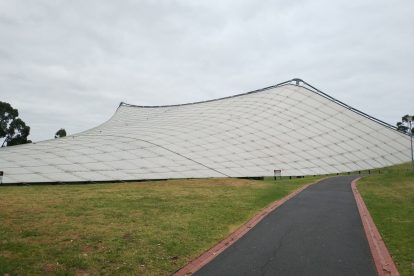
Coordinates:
[409,119]
[277,173]
[411,134]
[1,177]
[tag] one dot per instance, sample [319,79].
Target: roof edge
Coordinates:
[359,112]
[213,100]
[295,82]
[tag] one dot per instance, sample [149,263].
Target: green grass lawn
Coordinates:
[390,200]
[147,228]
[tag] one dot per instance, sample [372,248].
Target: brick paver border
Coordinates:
[382,258]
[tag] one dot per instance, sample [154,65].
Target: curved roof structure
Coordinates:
[292,127]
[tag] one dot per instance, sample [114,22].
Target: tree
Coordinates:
[12,129]
[404,125]
[401,127]
[60,133]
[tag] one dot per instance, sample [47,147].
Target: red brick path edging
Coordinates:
[213,252]
[382,258]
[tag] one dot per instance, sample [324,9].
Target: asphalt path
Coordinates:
[318,232]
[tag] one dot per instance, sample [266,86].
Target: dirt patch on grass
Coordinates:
[8,254]
[81,272]
[52,268]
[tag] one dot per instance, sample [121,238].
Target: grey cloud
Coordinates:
[69,64]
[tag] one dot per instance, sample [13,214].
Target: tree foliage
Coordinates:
[403,126]
[12,129]
[60,133]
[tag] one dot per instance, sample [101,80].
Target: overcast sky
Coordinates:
[69,63]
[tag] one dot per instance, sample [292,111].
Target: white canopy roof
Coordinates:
[289,127]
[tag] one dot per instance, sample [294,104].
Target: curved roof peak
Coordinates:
[294,81]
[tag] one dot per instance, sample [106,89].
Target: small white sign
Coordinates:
[277,173]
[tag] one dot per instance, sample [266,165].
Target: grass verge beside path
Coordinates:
[147,228]
[390,200]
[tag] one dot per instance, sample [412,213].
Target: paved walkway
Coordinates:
[318,232]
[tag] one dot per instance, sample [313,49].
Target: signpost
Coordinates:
[1,177]
[277,173]
[409,119]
